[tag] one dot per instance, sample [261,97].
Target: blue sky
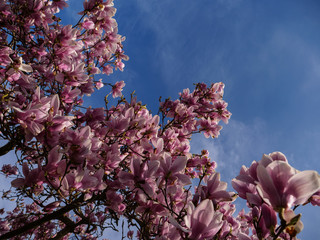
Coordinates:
[266,52]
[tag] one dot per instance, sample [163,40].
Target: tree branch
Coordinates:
[7,148]
[68,229]
[55,215]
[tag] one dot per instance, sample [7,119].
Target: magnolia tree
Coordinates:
[79,171]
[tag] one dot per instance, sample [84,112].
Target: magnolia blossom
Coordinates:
[202,221]
[282,186]
[275,182]
[216,190]
[272,186]
[117,89]
[294,224]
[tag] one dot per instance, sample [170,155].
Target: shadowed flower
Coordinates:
[216,190]
[203,221]
[294,225]
[117,89]
[282,186]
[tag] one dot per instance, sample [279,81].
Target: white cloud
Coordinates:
[238,144]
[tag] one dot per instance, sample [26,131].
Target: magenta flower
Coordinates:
[141,175]
[216,190]
[203,221]
[117,89]
[315,199]
[87,24]
[173,171]
[282,186]
[31,178]
[8,169]
[295,226]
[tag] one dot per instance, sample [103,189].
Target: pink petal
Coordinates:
[266,187]
[303,185]
[17,183]
[204,212]
[179,164]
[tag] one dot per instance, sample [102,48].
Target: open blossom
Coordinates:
[281,186]
[87,24]
[202,221]
[31,178]
[141,174]
[216,190]
[8,169]
[173,170]
[117,89]
[275,182]
[294,224]
[99,84]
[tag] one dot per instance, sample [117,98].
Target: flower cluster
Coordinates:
[271,186]
[86,169]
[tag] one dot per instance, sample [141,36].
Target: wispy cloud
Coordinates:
[238,144]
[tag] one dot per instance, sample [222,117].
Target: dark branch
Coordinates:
[55,215]
[68,229]
[7,148]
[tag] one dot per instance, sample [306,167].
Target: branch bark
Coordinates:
[7,148]
[69,228]
[52,216]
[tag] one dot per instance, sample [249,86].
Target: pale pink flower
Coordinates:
[141,175]
[203,221]
[108,69]
[294,224]
[33,177]
[216,190]
[173,170]
[99,84]
[88,24]
[117,89]
[282,186]
[8,169]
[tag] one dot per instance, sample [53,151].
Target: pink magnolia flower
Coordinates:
[55,166]
[282,186]
[32,178]
[266,218]
[88,24]
[82,180]
[56,121]
[269,216]
[210,128]
[8,169]
[279,171]
[315,199]
[172,170]
[99,84]
[75,76]
[117,89]
[142,175]
[18,65]
[5,56]
[216,190]
[294,224]
[203,221]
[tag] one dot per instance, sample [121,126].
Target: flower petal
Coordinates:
[303,185]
